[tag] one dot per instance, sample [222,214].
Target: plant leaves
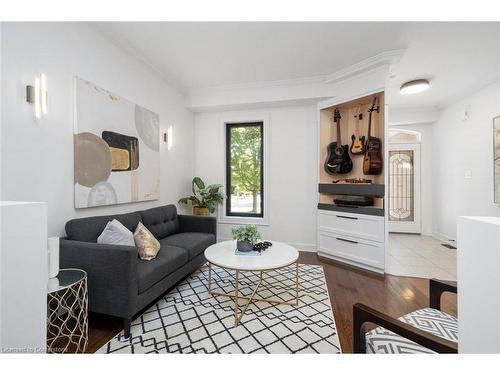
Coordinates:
[246,233]
[214,188]
[204,196]
[199,183]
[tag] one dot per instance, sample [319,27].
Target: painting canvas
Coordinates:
[117,149]
[496,152]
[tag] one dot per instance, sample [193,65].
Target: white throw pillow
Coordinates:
[116,233]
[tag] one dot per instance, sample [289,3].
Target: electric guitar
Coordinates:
[358,143]
[338,160]
[372,163]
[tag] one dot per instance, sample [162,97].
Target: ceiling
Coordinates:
[456,57]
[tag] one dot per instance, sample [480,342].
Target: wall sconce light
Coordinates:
[37,95]
[167,137]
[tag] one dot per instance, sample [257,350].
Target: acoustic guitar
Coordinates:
[372,163]
[357,143]
[338,159]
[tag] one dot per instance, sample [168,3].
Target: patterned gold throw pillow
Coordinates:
[147,245]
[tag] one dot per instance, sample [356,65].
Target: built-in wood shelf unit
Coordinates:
[369,190]
[355,235]
[363,210]
[350,124]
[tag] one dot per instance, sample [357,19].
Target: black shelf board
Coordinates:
[372,190]
[364,210]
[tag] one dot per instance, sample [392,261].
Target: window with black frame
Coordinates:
[245,169]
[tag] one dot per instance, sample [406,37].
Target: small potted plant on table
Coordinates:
[246,236]
[205,198]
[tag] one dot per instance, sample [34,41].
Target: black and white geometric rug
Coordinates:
[190,320]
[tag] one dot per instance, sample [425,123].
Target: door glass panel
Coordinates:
[401,186]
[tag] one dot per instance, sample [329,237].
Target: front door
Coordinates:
[404,188]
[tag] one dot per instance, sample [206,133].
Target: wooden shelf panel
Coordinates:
[376,211]
[351,125]
[373,190]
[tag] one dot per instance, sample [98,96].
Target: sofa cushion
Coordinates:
[161,221]
[194,242]
[87,229]
[168,260]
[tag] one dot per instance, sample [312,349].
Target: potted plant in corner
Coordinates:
[205,198]
[246,236]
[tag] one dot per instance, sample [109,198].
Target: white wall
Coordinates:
[37,157]
[461,146]
[292,169]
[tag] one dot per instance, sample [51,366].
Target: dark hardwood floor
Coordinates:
[392,295]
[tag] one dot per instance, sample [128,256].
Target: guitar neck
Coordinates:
[339,138]
[373,108]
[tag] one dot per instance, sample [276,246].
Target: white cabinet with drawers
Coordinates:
[368,227]
[350,229]
[356,239]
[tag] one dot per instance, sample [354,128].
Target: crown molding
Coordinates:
[364,66]
[306,102]
[311,89]
[259,85]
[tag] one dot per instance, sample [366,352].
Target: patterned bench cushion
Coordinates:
[383,341]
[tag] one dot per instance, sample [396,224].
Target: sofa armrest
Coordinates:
[111,274]
[204,224]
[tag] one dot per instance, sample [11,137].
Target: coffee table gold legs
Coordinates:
[237,318]
[209,277]
[236,300]
[297,283]
[236,296]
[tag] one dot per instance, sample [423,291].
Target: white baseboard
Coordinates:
[310,247]
[443,238]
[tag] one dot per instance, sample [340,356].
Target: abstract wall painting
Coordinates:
[496,156]
[116,149]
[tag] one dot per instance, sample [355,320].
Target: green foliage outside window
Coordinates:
[246,162]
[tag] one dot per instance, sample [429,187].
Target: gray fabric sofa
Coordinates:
[121,284]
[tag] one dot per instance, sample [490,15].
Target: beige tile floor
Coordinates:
[420,256]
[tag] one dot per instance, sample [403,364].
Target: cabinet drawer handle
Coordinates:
[343,239]
[347,217]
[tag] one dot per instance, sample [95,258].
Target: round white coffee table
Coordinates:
[279,255]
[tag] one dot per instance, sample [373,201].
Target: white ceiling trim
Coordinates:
[309,89]
[221,98]
[295,82]
[385,58]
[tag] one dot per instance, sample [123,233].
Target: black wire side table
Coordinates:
[67,312]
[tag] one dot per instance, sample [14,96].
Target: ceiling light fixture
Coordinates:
[414,87]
